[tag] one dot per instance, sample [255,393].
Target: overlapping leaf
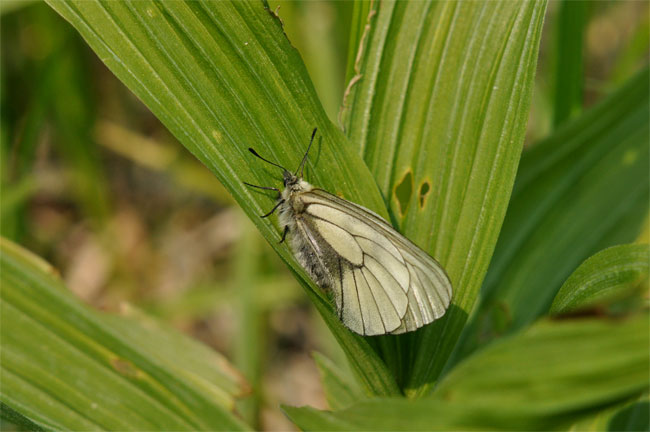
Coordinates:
[222,76]
[438,111]
[69,368]
[580,191]
[609,275]
[339,389]
[545,378]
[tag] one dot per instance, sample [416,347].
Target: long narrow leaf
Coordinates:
[630,416]
[580,191]
[545,378]
[340,391]
[69,368]
[569,69]
[222,76]
[439,114]
[608,275]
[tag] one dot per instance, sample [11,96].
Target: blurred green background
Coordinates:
[94,184]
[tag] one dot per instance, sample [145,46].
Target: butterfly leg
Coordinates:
[273,209]
[284,234]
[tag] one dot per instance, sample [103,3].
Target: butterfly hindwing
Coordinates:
[382,283]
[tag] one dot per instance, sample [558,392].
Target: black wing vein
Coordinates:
[374,300]
[356,290]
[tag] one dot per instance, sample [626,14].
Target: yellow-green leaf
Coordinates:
[610,274]
[545,378]
[439,112]
[222,77]
[67,367]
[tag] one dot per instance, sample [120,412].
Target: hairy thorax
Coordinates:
[293,206]
[305,249]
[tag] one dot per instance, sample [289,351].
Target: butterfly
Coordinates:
[382,283]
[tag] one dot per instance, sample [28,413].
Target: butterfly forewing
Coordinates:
[382,283]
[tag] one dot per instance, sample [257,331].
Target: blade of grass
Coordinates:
[583,189]
[14,418]
[249,345]
[545,378]
[23,124]
[360,19]
[73,114]
[634,52]
[629,416]
[161,157]
[439,115]
[69,368]
[569,40]
[222,77]
[9,6]
[608,275]
[340,390]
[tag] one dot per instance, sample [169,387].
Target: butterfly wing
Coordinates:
[382,282]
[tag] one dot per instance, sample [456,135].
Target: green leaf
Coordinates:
[633,53]
[569,69]
[628,416]
[583,189]
[545,378]
[340,390]
[610,274]
[222,76]
[439,114]
[360,20]
[74,111]
[67,367]
[634,417]
[8,6]
[16,418]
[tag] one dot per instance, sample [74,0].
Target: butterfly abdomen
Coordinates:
[306,250]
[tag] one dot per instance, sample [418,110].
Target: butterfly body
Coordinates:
[381,282]
[290,215]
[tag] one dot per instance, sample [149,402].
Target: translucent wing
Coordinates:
[382,282]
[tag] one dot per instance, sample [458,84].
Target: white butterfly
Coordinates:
[382,283]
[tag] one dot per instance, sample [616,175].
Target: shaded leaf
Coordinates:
[634,417]
[15,418]
[547,377]
[67,367]
[439,115]
[610,274]
[572,20]
[340,390]
[222,76]
[629,416]
[583,189]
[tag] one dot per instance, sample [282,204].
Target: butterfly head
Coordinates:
[292,181]
[289,179]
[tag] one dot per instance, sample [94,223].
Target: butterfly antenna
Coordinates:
[266,160]
[304,158]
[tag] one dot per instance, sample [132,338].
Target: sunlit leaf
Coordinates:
[571,22]
[339,389]
[222,77]
[545,378]
[439,111]
[583,189]
[629,416]
[67,367]
[610,274]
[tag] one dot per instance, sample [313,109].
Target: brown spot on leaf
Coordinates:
[424,191]
[124,367]
[403,192]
